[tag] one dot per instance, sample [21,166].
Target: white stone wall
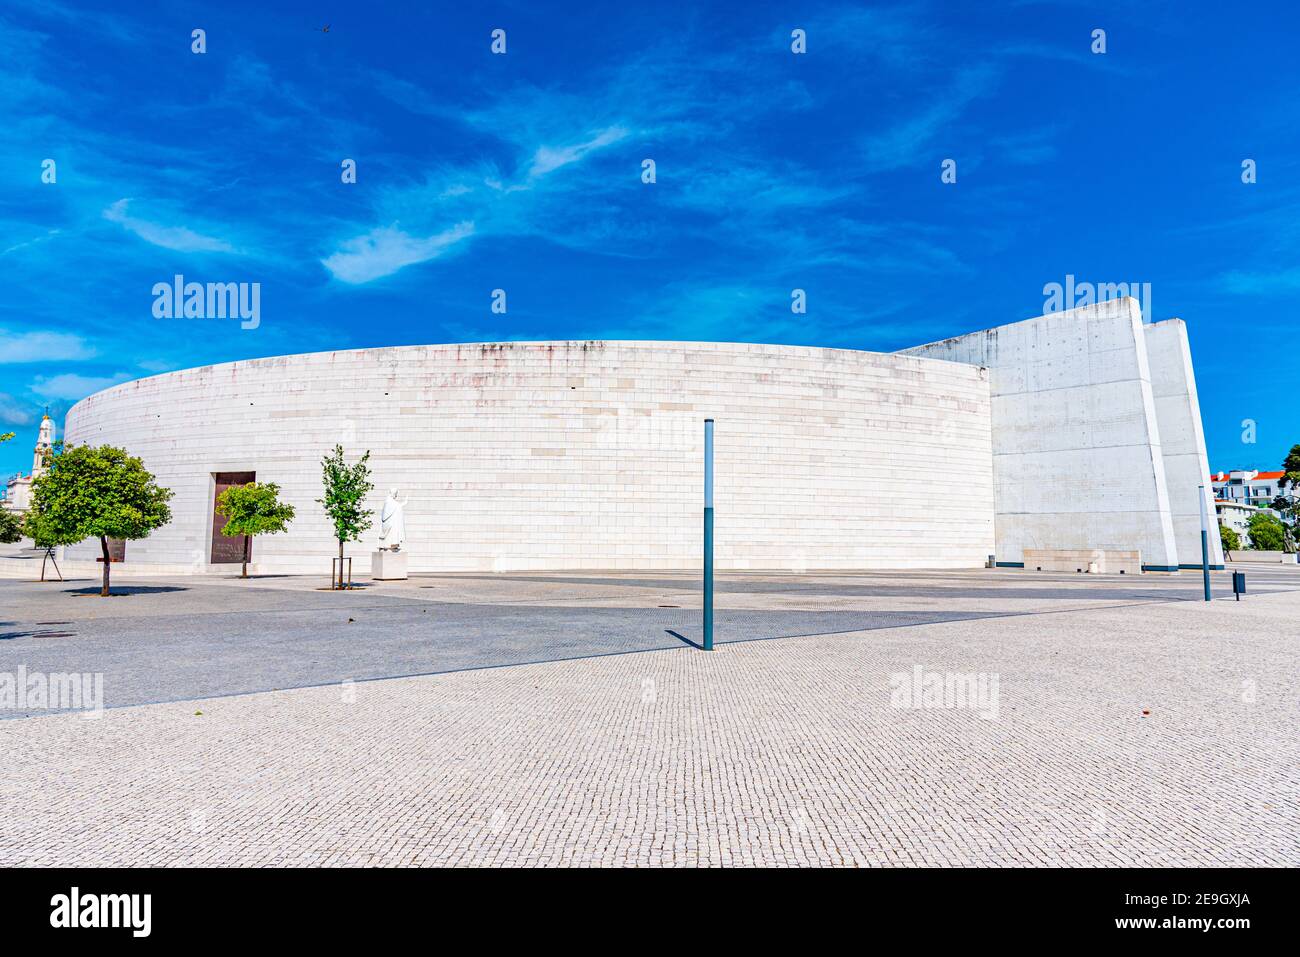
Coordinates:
[1182,440]
[579,455]
[1077,452]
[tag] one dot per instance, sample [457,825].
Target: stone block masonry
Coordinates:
[579,455]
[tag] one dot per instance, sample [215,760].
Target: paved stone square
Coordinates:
[552,720]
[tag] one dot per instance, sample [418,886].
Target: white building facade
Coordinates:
[573,455]
[1236,516]
[1250,487]
[588,455]
[18,490]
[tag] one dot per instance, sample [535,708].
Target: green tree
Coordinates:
[1289,504]
[1291,470]
[1231,540]
[3,531]
[253,509]
[346,488]
[1266,532]
[10,528]
[1288,508]
[97,492]
[37,530]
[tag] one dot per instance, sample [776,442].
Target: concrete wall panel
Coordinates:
[1182,440]
[1076,438]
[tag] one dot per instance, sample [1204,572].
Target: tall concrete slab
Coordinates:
[1077,456]
[1182,438]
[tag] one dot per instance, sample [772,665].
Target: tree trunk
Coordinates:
[103,544]
[340,563]
[246,543]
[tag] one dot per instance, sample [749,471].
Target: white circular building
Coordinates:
[575,455]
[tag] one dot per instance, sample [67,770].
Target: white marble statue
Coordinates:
[392,522]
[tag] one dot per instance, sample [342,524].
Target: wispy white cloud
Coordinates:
[18,347]
[1279,282]
[1027,148]
[72,386]
[14,412]
[477,198]
[49,234]
[901,37]
[157,365]
[550,158]
[722,187]
[750,312]
[104,25]
[384,250]
[1077,54]
[179,238]
[906,142]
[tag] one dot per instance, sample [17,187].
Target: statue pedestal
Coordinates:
[386,566]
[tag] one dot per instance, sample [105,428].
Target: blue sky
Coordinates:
[522,172]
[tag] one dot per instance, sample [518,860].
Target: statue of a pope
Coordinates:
[392,522]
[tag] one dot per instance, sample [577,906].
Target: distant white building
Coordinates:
[1248,487]
[1242,493]
[1236,517]
[18,490]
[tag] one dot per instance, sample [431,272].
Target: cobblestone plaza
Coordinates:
[567,720]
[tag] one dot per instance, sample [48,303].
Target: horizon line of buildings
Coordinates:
[1239,494]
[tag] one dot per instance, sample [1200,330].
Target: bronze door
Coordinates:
[227,550]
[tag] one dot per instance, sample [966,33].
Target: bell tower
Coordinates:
[44,443]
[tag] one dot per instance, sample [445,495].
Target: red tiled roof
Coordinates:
[1259,477]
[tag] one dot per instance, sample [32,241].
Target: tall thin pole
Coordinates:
[708,534]
[1205,542]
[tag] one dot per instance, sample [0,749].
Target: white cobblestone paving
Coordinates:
[783,753]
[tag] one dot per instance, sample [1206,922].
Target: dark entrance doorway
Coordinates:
[226,550]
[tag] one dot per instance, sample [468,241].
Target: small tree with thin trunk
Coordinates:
[35,528]
[1230,539]
[9,530]
[97,491]
[346,488]
[253,509]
